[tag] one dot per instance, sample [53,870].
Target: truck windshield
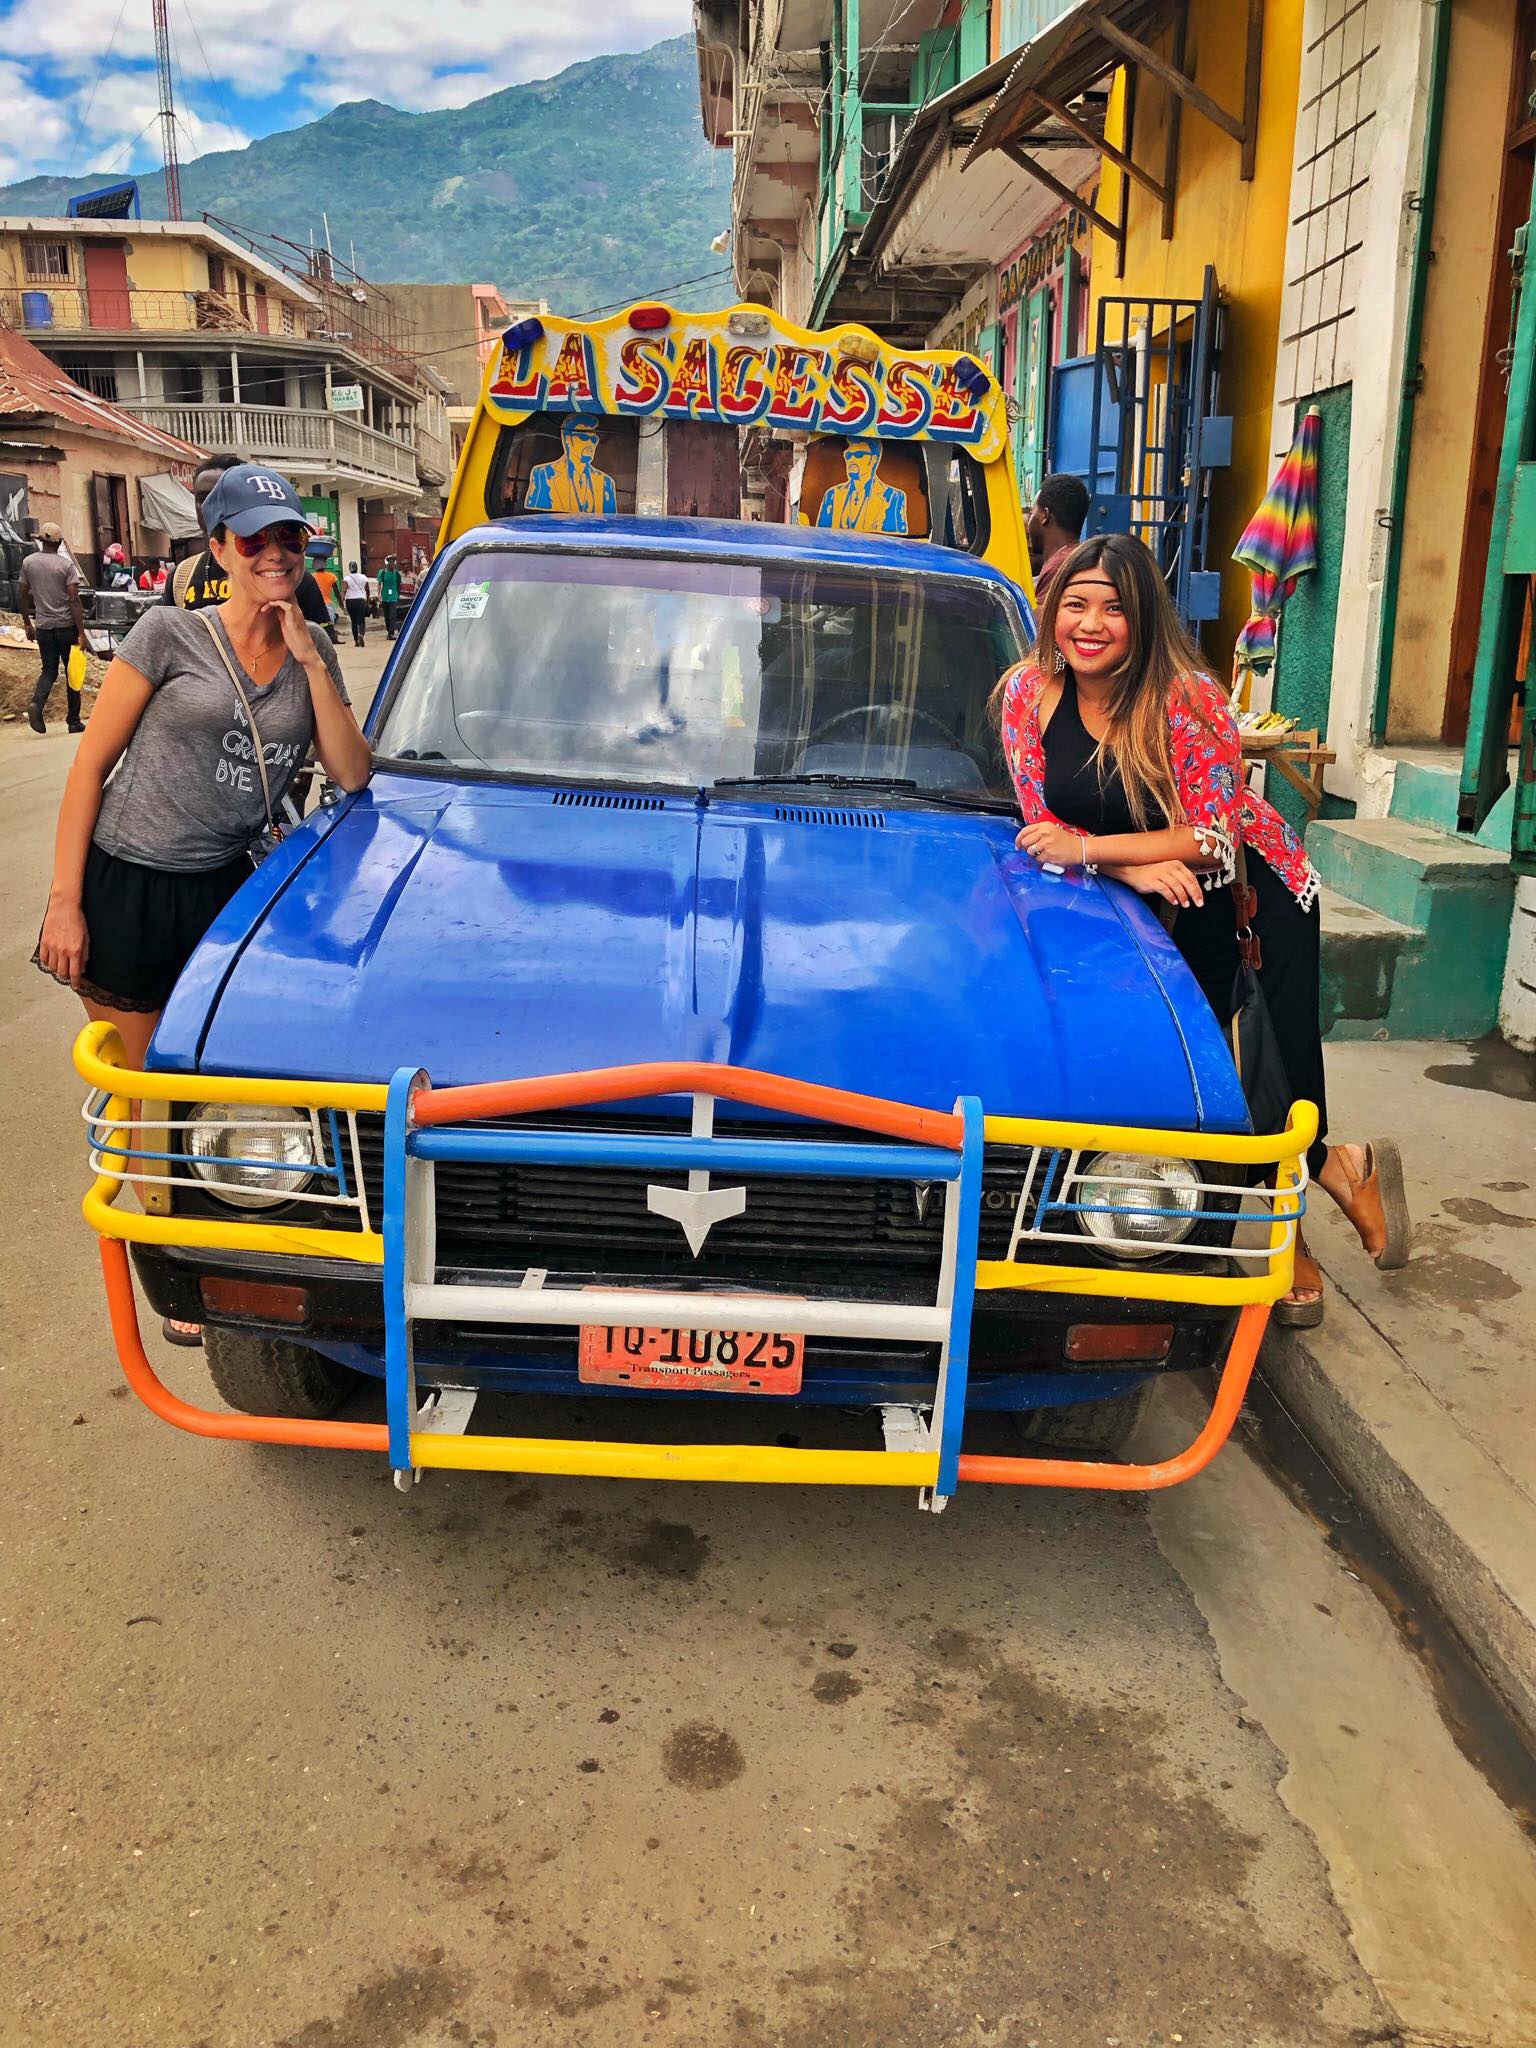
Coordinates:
[677,672]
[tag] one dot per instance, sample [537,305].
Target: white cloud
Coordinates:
[442,55]
[35,128]
[120,117]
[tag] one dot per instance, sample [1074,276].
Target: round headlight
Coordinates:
[1145,1204]
[257,1155]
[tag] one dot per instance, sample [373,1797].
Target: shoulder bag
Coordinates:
[1255,1048]
[272,832]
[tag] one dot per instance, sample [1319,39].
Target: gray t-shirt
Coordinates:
[186,795]
[50,576]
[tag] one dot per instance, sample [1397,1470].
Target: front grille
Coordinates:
[565,1217]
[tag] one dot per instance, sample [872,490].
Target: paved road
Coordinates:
[295,1762]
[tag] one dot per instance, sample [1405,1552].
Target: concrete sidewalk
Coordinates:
[1419,1389]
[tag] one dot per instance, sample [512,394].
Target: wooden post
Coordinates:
[1252,75]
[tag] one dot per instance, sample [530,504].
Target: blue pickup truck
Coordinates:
[674,1014]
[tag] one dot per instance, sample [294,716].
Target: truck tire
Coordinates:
[1103,1428]
[272,1376]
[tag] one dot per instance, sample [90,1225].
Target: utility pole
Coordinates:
[167,109]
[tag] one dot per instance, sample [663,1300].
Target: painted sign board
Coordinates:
[762,372]
[346,398]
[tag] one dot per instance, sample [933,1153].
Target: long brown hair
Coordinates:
[1158,669]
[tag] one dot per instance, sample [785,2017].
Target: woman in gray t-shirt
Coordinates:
[144,862]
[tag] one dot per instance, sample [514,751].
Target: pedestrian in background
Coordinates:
[1054,526]
[389,596]
[327,583]
[355,595]
[115,573]
[48,595]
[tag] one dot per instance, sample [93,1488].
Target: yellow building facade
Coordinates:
[67,276]
[1220,218]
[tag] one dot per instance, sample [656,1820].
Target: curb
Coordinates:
[1458,1522]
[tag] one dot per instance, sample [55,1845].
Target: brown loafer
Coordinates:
[1308,1279]
[1378,1205]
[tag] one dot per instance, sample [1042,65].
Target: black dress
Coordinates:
[1083,788]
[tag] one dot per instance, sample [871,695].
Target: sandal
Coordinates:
[1378,1204]
[1307,1279]
[188,1335]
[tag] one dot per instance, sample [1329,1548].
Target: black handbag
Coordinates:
[1255,1048]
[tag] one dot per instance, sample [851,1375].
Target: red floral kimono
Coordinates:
[1207,771]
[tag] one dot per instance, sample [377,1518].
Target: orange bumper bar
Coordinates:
[152,1391]
[1233,1384]
[684,1077]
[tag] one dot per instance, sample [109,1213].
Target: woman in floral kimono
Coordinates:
[1126,759]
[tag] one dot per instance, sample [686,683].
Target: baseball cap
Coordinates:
[248,497]
[49,531]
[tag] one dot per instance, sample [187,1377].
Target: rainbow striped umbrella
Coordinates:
[1279,543]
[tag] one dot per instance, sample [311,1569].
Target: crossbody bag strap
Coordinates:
[211,623]
[1245,902]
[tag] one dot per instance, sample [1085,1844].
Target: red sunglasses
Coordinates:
[293,538]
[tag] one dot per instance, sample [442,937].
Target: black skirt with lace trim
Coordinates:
[142,926]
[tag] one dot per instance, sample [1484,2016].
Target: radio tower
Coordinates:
[167,110]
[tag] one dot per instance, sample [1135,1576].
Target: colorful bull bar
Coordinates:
[424,1125]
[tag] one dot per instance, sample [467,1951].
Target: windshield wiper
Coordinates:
[825,781]
[949,799]
[966,800]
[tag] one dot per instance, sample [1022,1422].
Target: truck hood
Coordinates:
[487,932]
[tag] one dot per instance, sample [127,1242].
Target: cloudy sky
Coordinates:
[77,81]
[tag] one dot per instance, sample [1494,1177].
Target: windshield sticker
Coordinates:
[469,602]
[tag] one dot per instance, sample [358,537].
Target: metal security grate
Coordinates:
[596,1217]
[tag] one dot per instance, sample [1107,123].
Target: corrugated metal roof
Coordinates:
[31,387]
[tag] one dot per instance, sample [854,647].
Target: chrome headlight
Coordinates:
[1143,1204]
[254,1155]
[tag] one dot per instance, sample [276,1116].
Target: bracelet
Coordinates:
[1089,867]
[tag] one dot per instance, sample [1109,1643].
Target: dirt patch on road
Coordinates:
[392,2009]
[701,1758]
[993,1908]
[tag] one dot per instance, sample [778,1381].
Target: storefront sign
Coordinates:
[346,398]
[1045,254]
[966,333]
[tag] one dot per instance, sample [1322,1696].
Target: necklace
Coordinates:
[259,658]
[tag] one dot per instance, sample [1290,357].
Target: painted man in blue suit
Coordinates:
[573,484]
[863,504]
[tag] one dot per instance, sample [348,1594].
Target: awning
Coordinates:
[1078,51]
[169,507]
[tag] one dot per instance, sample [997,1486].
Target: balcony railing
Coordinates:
[277,433]
[113,309]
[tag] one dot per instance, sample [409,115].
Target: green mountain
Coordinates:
[593,186]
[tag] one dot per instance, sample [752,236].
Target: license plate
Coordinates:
[696,1361]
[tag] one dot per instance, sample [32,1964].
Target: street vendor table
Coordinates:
[1298,757]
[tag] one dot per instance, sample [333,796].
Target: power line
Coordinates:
[657,292]
[218,90]
[101,67]
[128,147]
